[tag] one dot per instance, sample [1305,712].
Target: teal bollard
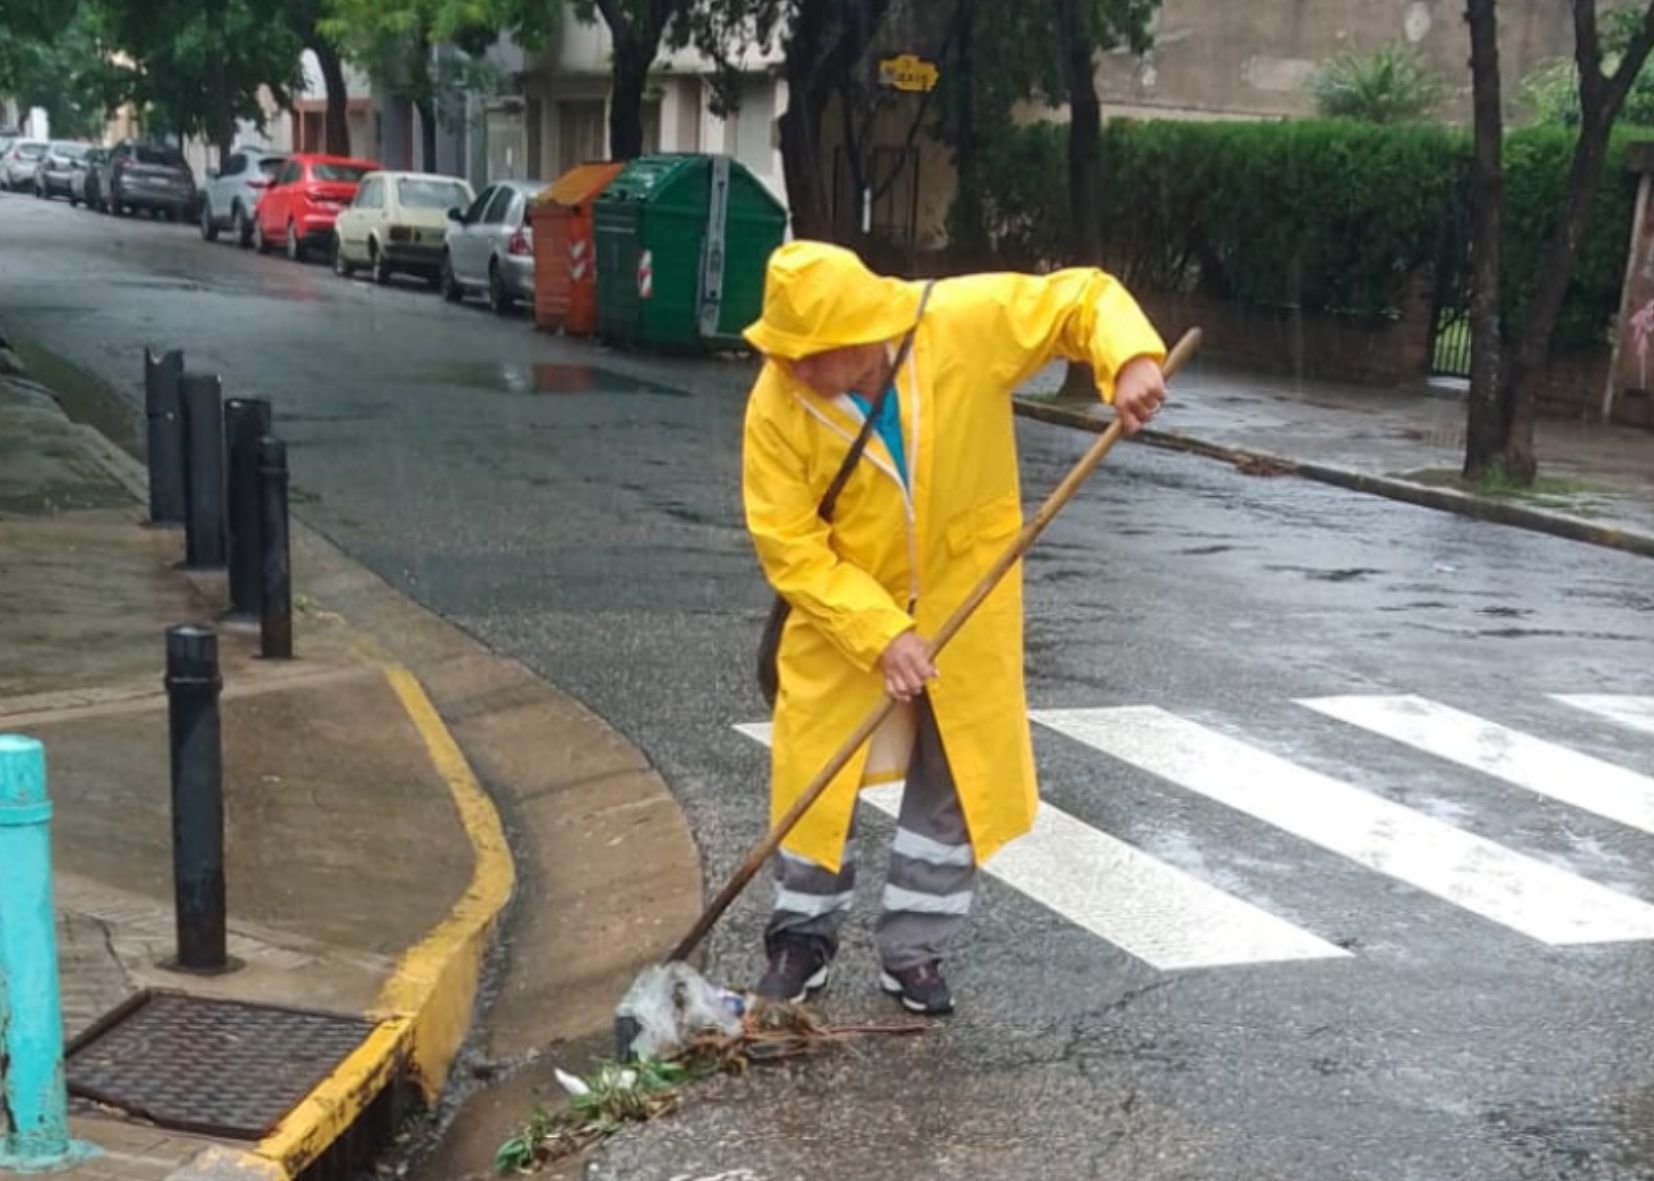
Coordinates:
[34,1102]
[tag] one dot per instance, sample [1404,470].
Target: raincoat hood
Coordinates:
[819,297]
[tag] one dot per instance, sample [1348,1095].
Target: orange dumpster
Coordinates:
[565,273]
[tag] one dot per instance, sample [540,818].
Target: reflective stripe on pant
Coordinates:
[932,869]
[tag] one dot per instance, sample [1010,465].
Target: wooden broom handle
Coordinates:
[1060,496]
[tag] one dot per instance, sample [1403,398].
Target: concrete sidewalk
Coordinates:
[367,868]
[1596,481]
[328,781]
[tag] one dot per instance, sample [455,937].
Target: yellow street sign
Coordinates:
[908,72]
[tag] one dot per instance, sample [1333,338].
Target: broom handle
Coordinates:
[1060,496]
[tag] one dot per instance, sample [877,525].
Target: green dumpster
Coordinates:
[681,242]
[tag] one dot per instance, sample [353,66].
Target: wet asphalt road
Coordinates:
[579,510]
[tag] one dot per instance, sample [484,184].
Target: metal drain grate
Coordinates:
[219,1068]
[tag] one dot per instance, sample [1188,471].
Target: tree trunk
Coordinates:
[1561,254]
[336,132]
[631,75]
[1488,425]
[1085,131]
[427,133]
[801,125]
[220,118]
[967,223]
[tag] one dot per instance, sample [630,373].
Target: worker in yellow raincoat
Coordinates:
[932,502]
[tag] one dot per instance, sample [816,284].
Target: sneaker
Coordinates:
[920,989]
[798,967]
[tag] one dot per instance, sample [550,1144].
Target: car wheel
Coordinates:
[381,266]
[260,242]
[295,248]
[209,227]
[499,298]
[243,227]
[451,290]
[341,264]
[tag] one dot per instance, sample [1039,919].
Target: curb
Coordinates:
[1442,499]
[425,1007]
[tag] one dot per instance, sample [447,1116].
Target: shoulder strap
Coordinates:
[829,501]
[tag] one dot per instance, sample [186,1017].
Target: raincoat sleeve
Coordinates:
[847,603]
[1025,322]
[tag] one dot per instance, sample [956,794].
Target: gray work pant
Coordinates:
[928,889]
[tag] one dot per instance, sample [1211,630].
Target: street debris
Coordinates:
[614,1095]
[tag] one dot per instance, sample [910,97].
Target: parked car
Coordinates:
[18,164]
[398,222]
[489,247]
[150,176]
[304,200]
[85,186]
[233,192]
[56,168]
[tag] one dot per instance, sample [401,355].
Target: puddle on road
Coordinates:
[548,378]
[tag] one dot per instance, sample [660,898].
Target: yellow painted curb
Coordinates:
[425,1007]
[435,984]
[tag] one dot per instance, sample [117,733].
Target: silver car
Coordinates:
[231,192]
[489,247]
[54,174]
[18,164]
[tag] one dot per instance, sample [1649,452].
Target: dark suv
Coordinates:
[148,176]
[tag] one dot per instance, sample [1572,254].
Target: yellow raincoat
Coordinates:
[851,585]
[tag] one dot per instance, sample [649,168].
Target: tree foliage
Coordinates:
[1390,85]
[69,74]
[822,44]
[395,41]
[1551,93]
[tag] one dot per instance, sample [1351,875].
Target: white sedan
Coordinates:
[397,223]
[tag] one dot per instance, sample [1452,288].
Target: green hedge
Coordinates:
[1536,183]
[1324,215]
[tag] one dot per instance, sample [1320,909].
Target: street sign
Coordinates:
[908,72]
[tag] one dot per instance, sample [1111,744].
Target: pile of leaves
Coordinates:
[615,1094]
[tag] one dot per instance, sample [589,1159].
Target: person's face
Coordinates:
[857,368]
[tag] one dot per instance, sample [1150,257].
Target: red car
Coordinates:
[307,194]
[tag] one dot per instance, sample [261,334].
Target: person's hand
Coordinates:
[1139,389]
[906,666]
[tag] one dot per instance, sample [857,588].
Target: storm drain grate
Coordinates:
[215,1067]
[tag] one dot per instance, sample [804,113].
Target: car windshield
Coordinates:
[432,194]
[271,165]
[167,157]
[346,173]
[31,151]
[73,151]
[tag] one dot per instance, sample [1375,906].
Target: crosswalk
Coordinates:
[1175,920]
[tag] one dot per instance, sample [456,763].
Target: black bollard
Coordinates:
[275,622]
[246,421]
[197,798]
[164,416]
[204,482]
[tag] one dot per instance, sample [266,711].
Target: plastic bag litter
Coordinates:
[667,1006]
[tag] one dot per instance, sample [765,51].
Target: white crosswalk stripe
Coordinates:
[1635,712]
[1174,920]
[1159,914]
[1576,779]
[1526,895]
